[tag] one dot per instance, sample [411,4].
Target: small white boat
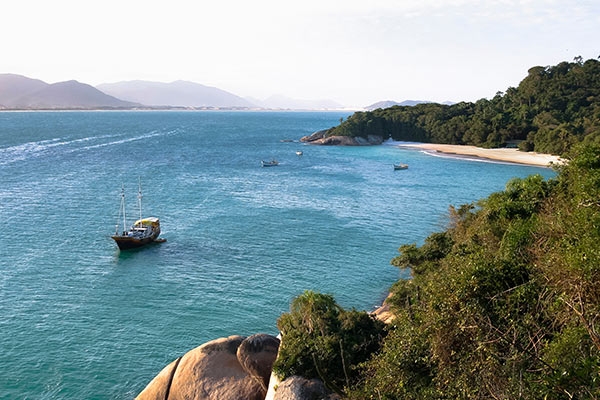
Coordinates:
[400,166]
[271,163]
[299,153]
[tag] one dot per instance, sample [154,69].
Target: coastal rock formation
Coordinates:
[383,313]
[336,141]
[319,138]
[315,136]
[236,368]
[299,388]
[233,368]
[257,354]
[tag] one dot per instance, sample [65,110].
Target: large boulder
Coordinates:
[315,136]
[257,354]
[233,368]
[319,138]
[384,312]
[337,141]
[299,388]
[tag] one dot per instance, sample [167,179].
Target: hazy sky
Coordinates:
[355,52]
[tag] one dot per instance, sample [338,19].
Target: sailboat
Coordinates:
[142,232]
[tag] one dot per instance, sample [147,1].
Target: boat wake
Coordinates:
[121,141]
[24,151]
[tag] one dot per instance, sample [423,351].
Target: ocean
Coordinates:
[81,320]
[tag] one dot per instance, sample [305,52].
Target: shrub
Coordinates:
[322,340]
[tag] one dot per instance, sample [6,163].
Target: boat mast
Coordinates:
[140,197]
[122,210]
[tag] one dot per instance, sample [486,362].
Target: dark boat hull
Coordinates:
[126,242]
[143,232]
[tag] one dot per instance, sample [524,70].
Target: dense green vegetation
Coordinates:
[552,109]
[324,341]
[503,304]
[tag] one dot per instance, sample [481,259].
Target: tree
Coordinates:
[505,303]
[553,109]
[322,340]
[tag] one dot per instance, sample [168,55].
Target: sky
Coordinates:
[354,52]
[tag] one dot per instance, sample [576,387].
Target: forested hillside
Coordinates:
[503,304]
[552,109]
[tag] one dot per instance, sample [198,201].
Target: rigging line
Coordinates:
[121,210]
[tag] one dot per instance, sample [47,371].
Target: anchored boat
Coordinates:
[272,163]
[143,231]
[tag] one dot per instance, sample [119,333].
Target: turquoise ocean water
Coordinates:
[80,320]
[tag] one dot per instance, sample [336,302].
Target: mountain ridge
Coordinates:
[178,93]
[21,92]
[13,86]
[391,103]
[18,92]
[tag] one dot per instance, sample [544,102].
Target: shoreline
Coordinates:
[510,155]
[502,155]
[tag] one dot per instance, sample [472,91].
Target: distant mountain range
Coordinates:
[174,94]
[18,92]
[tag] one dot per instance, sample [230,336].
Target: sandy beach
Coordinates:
[511,155]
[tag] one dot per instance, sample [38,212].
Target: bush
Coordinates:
[506,302]
[322,340]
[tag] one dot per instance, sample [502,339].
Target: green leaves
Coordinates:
[552,109]
[322,340]
[506,302]
[436,246]
[503,304]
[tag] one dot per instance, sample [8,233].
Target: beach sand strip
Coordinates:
[511,155]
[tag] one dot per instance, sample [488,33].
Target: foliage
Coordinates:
[551,110]
[505,303]
[322,340]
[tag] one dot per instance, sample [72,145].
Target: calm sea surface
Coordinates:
[79,320]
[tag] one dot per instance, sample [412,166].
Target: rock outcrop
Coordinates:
[318,135]
[233,368]
[299,388]
[319,138]
[236,368]
[384,313]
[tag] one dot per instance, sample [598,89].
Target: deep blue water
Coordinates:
[79,319]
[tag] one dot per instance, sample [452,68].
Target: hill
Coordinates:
[552,109]
[391,103]
[19,92]
[70,95]
[14,86]
[174,94]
